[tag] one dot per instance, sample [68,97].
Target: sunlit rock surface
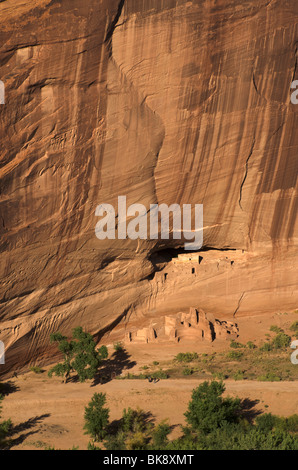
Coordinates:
[166,101]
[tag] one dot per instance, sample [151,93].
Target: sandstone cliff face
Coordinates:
[162,101]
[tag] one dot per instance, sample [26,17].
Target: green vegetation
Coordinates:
[236,345]
[96,417]
[294,327]
[213,423]
[235,355]
[36,370]
[273,357]
[118,346]
[80,355]
[276,329]
[159,374]
[135,431]
[269,377]
[239,375]
[186,357]
[5,428]
[207,409]
[280,341]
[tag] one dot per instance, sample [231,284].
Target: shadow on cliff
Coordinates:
[114,366]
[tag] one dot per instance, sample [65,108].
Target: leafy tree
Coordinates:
[137,441]
[266,422]
[80,355]
[207,410]
[96,417]
[160,436]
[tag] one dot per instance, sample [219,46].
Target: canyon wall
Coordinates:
[164,101]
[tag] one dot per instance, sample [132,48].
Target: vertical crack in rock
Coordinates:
[239,304]
[254,82]
[246,172]
[111,28]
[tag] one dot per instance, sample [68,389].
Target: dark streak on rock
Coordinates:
[246,171]
[113,24]
[239,303]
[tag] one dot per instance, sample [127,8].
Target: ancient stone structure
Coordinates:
[194,324]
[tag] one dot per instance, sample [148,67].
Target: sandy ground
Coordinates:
[48,412]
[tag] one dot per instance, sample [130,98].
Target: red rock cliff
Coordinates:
[159,100]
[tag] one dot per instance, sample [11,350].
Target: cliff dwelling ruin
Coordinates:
[195,325]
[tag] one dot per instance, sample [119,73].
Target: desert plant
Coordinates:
[235,355]
[266,347]
[36,370]
[294,327]
[239,375]
[96,417]
[281,341]
[236,345]
[186,357]
[276,329]
[269,377]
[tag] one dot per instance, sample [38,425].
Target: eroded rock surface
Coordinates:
[168,101]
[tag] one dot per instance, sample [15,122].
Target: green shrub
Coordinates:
[266,347]
[276,329]
[292,423]
[266,422]
[96,417]
[118,346]
[251,345]
[281,341]
[235,355]
[239,375]
[269,377]
[236,345]
[137,441]
[133,421]
[220,376]
[294,327]
[160,436]
[36,370]
[187,371]
[160,374]
[186,357]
